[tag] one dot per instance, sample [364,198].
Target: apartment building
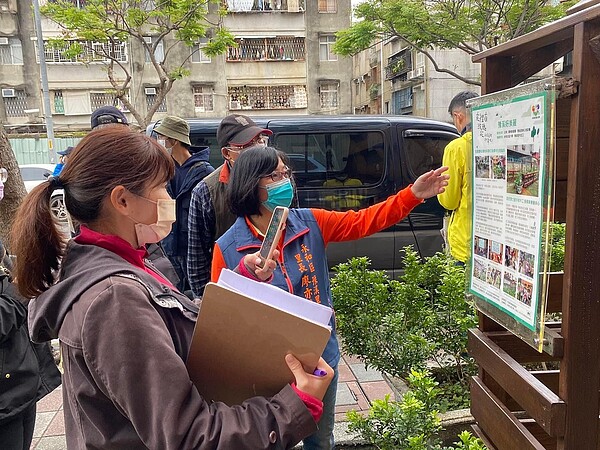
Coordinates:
[283,64]
[392,78]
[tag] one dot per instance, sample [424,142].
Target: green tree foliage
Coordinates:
[171,23]
[470,26]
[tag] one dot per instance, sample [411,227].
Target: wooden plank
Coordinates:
[497,422]
[537,400]
[580,368]
[560,201]
[481,435]
[562,158]
[534,428]
[548,377]
[494,76]
[553,32]
[555,286]
[563,117]
[526,64]
[518,349]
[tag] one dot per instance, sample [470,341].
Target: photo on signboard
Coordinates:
[494,276]
[523,169]
[524,291]
[495,251]
[481,246]
[482,167]
[511,257]
[480,269]
[509,284]
[526,261]
[498,163]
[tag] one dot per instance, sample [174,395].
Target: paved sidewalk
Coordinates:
[356,389]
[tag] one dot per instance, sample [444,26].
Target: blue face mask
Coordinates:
[279,193]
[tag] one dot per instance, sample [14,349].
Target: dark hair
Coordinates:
[253,164]
[104,159]
[460,101]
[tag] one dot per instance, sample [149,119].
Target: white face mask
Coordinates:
[156,232]
[163,142]
[3,178]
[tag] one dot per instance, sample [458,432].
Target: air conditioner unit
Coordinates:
[420,72]
[148,40]
[3,41]
[7,93]
[410,75]
[150,91]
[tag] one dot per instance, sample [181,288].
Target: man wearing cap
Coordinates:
[106,115]
[209,215]
[190,168]
[64,156]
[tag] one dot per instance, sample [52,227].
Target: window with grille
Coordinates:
[203,98]
[103,98]
[78,3]
[4,5]
[329,94]
[198,56]
[90,52]
[59,103]
[326,48]
[11,53]
[151,99]
[267,97]
[16,105]
[159,53]
[327,6]
[268,49]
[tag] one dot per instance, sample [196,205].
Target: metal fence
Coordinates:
[35,150]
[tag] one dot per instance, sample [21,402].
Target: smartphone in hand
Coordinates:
[273,234]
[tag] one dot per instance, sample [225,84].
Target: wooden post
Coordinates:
[580,369]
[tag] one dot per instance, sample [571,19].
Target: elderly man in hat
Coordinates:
[210,216]
[191,166]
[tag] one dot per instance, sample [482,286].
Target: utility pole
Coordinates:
[44,78]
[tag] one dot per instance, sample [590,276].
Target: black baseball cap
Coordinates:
[66,152]
[238,129]
[107,114]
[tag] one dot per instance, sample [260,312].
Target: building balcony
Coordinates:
[397,67]
[264,6]
[268,49]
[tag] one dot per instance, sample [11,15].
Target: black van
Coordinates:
[351,162]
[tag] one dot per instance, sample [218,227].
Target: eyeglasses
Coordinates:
[260,139]
[278,176]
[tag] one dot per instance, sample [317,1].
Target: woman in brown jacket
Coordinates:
[124,330]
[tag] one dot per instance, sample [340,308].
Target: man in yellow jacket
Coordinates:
[457,197]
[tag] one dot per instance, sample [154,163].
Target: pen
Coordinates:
[319,373]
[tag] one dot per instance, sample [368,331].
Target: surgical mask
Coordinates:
[3,178]
[156,232]
[163,142]
[279,193]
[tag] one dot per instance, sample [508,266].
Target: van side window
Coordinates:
[335,159]
[424,150]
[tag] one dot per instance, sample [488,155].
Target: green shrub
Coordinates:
[556,246]
[397,326]
[410,424]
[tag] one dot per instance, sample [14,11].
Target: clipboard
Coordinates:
[240,341]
